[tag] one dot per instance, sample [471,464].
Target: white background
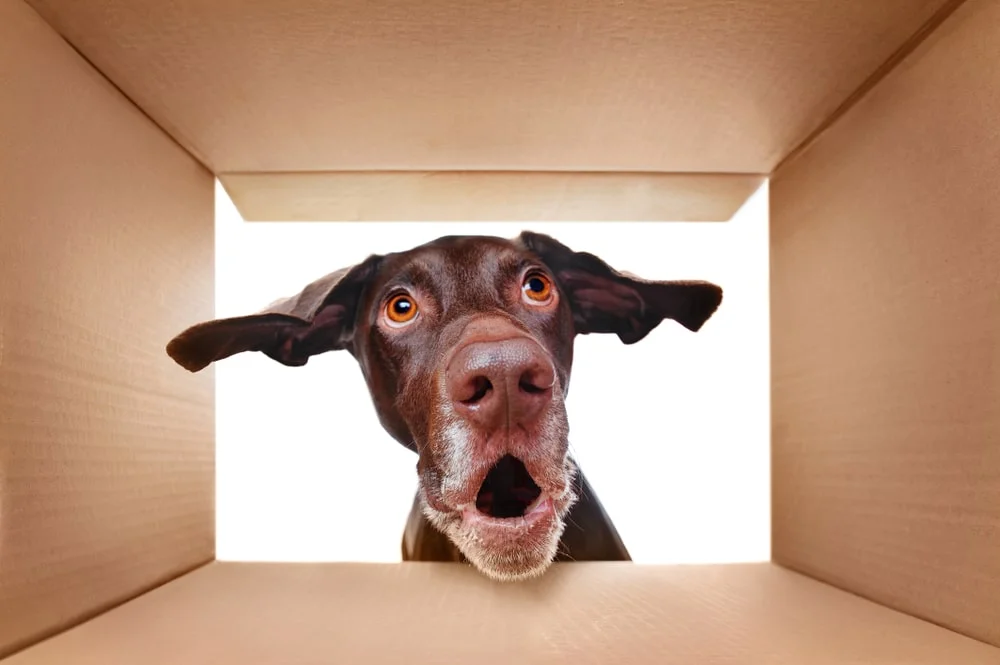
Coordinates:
[672,432]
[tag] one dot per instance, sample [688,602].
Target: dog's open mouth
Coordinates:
[508,490]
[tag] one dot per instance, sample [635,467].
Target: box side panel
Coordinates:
[106,250]
[886,338]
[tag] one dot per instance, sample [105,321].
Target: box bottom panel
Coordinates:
[447,613]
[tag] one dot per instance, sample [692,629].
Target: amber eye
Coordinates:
[400,309]
[537,288]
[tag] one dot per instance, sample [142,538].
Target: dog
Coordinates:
[466,346]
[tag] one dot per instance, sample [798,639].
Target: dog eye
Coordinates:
[537,288]
[400,310]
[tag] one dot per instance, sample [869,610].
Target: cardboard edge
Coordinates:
[471,196]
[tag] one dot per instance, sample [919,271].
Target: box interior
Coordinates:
[875,123]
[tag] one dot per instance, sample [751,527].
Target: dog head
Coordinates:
[466,345]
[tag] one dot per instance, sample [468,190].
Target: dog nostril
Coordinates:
[533,384]
[480,386]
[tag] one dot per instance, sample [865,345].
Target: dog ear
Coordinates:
[604,300]
[318,319]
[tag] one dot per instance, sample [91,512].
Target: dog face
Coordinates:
[466,345]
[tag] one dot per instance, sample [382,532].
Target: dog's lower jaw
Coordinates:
[518,563]
[519,566]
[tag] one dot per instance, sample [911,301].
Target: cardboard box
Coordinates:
[876,122]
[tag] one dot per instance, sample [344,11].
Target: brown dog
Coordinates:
[466,344]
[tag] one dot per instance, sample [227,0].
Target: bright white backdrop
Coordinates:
[672,432]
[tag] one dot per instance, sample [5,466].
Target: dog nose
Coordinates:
[500,383]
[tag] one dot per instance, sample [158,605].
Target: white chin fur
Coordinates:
[515,567]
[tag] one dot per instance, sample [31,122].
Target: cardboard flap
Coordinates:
[488,196]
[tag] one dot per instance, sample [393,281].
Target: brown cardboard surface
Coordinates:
[106,249]
[886,311]
[644,85]
[447,613]
[488,196]
[886,338]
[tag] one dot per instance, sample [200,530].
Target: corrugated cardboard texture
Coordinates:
[886,338]
[643,85]
[488,196]
[106,250]
[246,614]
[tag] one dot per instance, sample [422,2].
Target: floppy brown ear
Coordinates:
[318,319]
[605,300]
